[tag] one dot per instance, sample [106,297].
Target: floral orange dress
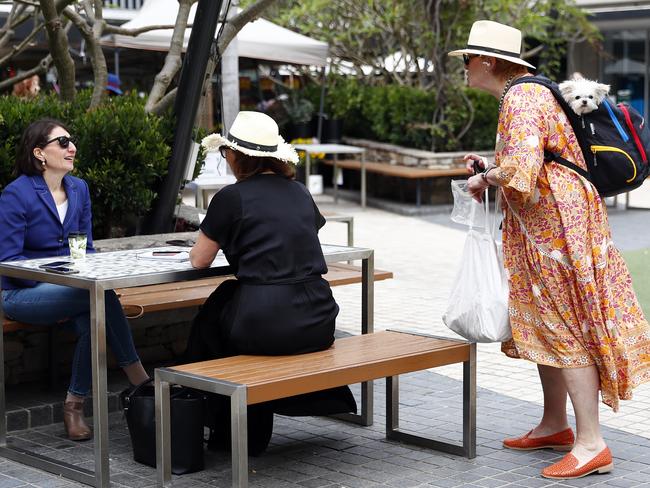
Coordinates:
[571,297]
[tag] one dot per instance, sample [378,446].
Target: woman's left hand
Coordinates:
[476,186]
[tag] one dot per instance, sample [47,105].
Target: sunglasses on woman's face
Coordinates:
[64,141]
[468,57]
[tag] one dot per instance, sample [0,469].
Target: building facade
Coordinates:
[624,62]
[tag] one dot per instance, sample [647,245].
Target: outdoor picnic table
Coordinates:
[335,150]
[100,272]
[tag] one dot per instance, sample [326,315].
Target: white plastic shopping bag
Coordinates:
[478,304]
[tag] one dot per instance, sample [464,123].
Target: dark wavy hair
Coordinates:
[246,166]
[36,135]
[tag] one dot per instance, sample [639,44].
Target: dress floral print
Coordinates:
[571,297]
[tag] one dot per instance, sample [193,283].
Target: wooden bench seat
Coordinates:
[399,171]
[248,380]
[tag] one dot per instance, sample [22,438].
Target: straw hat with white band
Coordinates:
[493,39]
[255,134]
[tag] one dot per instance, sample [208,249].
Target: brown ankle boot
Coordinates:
[73,420]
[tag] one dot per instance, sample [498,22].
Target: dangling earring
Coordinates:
[43,163]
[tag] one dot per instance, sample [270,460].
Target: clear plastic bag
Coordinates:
[478,303]
[466,211]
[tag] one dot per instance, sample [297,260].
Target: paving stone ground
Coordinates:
[423,252]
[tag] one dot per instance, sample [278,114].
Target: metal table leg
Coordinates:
[98,478]
[363,180]
[336,178]
[367,327]
[163,432]
[3,413]
[100,401]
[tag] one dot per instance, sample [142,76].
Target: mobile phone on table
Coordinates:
[60,270]
[55,264]
[166,253]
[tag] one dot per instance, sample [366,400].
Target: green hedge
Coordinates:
[123,153]
[402,115]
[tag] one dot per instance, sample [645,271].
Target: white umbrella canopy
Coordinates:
[259,39]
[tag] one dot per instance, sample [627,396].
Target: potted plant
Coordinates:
[299,111]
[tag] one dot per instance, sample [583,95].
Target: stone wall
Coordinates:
[158,336]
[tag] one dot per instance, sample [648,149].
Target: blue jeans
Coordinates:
[48,304]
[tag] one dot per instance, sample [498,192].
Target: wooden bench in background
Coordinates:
[399,171]
[248,380]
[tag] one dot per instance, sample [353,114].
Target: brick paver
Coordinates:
[308,452]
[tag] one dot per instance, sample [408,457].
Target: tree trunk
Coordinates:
[173,59]
[95,52]
[59,49]
[157,103]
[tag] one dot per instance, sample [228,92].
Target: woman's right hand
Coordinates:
[471,158]
[476,186]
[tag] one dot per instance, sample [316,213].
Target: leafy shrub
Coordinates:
[402,115]
[122,156]
[122,152]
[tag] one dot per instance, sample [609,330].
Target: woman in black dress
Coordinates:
[267,225]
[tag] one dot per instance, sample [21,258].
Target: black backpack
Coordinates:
[615,142]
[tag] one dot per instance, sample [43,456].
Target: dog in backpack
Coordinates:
[583,95]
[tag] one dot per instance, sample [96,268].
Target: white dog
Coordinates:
[583,95]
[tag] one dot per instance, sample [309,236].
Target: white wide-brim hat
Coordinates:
[493,39]
[255,134]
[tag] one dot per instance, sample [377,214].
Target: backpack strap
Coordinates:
[551,156]
[574,120]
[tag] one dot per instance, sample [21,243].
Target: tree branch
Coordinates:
[59,48]
[173,59]
[16,17]
[41,68]
[97,59]
[230,30]
[166,102]
[112,29]
[20,47]
[234,25]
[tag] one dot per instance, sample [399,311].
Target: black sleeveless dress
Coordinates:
[267,226]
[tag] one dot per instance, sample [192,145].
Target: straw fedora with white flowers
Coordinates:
[255,134]
[493,39]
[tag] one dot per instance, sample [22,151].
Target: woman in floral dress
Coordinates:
[572,307]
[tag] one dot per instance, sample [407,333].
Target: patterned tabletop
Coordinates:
[135,262]
[118,264]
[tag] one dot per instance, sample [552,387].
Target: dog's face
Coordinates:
[583,95]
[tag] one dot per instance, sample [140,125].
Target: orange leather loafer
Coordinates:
[565,469]
[560,441]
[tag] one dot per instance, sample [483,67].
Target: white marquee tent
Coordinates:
[260,39]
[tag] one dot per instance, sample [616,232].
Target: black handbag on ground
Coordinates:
[187,411]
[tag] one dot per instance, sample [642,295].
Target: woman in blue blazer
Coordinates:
[37,212]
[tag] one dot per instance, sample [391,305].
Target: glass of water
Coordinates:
[77,242]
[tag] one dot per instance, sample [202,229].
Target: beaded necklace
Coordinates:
[505,90]
[507,87]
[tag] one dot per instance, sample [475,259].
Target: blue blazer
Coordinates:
[30,226]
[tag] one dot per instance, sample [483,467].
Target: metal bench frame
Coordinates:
[239,422]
